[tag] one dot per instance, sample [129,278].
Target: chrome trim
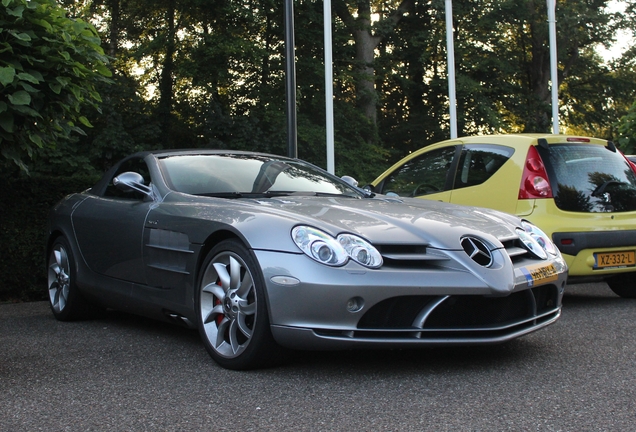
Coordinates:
[414,257]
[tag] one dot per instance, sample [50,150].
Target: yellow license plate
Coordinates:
[541,274]
[614,259]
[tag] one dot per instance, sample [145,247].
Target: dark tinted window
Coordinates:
[422,175]
[478,163]
[589,178]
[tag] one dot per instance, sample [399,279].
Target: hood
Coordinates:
[386,220]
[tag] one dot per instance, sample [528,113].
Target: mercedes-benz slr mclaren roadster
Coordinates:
[263,253]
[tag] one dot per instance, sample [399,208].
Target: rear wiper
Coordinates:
[601,188]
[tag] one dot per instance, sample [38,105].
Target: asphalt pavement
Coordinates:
[125,373]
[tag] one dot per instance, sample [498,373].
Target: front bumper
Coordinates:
[323,307]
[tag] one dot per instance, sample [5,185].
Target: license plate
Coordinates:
[541,274]
[614,259]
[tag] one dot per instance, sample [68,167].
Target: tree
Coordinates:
[627,131]
[412,82]
[49,67]
[514,34]
[357,18]
[199,73]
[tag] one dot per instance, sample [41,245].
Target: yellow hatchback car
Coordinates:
[581,191]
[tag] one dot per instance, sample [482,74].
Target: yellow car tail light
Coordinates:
[534,181]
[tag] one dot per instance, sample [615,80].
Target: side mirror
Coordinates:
[353,182]
[131,181]
[368,192]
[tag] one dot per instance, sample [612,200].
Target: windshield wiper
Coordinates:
[329,194]
[285,193]
[266,194]
[273,194]
[222,194]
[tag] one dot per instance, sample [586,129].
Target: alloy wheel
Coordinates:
[228,304]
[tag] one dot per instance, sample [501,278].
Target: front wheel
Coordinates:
[231,309]
[65,299]
[623,285]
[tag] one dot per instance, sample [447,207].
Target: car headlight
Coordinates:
[531,244]
[541,238]
[325,249]
[360,250]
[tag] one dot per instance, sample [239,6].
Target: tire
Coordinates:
[623,285]
[65,299]
[231,308]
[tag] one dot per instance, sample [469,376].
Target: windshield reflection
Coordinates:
[241,175]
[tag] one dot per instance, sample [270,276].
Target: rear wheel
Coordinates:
[231,309]
[623,285]
[66,302]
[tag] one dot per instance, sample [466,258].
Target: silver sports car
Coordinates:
[262,253]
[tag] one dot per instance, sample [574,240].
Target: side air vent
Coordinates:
[477,251]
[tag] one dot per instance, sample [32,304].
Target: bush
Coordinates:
[26,202]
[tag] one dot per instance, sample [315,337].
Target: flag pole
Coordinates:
[553,65]
[450,65]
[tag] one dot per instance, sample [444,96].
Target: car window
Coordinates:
[589,178]
[478,162]
[131,165]
[421,175]
[247,174]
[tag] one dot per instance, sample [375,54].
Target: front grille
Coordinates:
[410,256]
[516,250]
[424,257]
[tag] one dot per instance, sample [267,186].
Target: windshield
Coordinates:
[237,175]
[590,178]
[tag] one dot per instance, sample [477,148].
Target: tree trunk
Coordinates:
[538,71]
[366,96]
[113,43]
[365,44]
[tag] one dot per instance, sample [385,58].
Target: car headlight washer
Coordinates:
[331,251]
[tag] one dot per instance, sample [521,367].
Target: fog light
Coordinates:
[355,304]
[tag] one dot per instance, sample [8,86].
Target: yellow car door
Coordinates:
[483,177]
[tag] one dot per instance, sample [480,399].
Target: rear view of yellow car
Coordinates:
[581,191]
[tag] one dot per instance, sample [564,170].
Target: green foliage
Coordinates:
[49,67]
[627,131]
[123,124]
